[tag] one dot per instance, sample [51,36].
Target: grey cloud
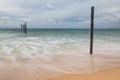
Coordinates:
[57,13]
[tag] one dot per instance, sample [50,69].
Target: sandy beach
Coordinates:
[59,39]
[110,74]
[68,67]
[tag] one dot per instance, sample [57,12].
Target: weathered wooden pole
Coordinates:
[91,30]
[21,30]
[25,29]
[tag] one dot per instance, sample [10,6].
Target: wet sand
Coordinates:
[83,65]
[110,74]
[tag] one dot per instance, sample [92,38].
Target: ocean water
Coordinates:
[56,51]
[42,43]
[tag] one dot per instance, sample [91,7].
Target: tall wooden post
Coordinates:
[26,29]
[91,30]
[21,30]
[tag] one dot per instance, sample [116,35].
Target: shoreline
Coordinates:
[109,74]
[57,65]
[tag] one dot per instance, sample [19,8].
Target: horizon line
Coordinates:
[61,28]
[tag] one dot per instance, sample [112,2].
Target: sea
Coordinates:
[49,42]
[51,52]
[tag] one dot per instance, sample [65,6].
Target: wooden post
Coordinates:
[91,30]
[26,29]
[21,30]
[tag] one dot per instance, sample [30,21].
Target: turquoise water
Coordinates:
[61,51]
[68,33]
[42,42]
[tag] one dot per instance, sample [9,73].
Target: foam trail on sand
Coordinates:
[58,52]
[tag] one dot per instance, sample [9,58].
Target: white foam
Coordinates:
[31,47]
[64,56]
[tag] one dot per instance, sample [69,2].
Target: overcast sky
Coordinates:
[59,13]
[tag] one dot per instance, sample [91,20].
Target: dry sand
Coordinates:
[110,74]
